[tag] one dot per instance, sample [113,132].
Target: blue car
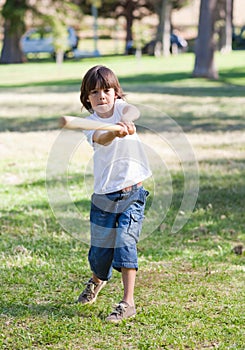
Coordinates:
[40,40]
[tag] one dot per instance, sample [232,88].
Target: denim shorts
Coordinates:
[116,221]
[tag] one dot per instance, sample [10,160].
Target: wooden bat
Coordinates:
[76,123]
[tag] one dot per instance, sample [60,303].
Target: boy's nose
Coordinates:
[102,95]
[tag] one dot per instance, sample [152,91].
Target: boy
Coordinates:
[118,201]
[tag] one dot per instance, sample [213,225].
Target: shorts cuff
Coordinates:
[126,265]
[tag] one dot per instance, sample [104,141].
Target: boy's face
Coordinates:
[102,101]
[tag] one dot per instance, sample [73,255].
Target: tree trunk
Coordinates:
[205,45]
[166,14]
[11,51]
[129,8]
[226,30]
[162,46]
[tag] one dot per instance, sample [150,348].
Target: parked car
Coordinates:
[176,41]
[40,40]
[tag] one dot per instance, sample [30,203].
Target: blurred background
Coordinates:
[35,29]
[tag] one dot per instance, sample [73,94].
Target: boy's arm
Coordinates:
[129,113]
[105,138]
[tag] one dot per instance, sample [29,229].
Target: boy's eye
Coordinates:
[94,92]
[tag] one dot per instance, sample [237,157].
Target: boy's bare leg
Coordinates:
[96,279]
[128,278]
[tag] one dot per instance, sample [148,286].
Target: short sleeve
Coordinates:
[89,135]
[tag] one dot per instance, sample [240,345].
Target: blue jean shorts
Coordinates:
[116,221]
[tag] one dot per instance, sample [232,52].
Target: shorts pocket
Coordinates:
[135,226]
[136,216]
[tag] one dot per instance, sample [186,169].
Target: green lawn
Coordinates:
[190,285]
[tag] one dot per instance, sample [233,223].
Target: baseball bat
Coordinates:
[76,123]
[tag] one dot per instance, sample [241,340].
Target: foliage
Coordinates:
[14,12]
[57,19]
[130,9]
[178,4]
[54,12]
[116,9]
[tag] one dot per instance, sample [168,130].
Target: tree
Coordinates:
[52,12]
[129,9]
[164,8]
[224,24]
[212,13]
[14,27]
[137,9]
[205,44]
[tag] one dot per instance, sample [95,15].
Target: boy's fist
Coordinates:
[131,128]
[128,128]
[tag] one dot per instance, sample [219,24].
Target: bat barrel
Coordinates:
[75,123]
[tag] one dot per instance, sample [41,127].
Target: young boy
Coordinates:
[118,201]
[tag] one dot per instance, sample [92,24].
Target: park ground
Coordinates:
[190,285]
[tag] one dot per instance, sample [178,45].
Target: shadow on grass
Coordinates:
[17,310]
[227,76]
[44,215]
[56,181]
[142,83]
[56,309]
[187,121]
[145,83]
[27,124]
[225,193]
[47,84]
[216,224]
[217,91]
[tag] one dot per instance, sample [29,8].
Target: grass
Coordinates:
[190,286]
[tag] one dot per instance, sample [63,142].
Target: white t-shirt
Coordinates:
[120,164]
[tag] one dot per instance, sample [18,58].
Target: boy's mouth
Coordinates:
[103,107]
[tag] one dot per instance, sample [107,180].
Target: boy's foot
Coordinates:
[89,295]
[123,310]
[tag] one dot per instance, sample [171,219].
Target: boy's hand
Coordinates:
[131,127]
[128,128]
[105,138]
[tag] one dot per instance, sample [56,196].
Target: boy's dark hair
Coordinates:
[99,77]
